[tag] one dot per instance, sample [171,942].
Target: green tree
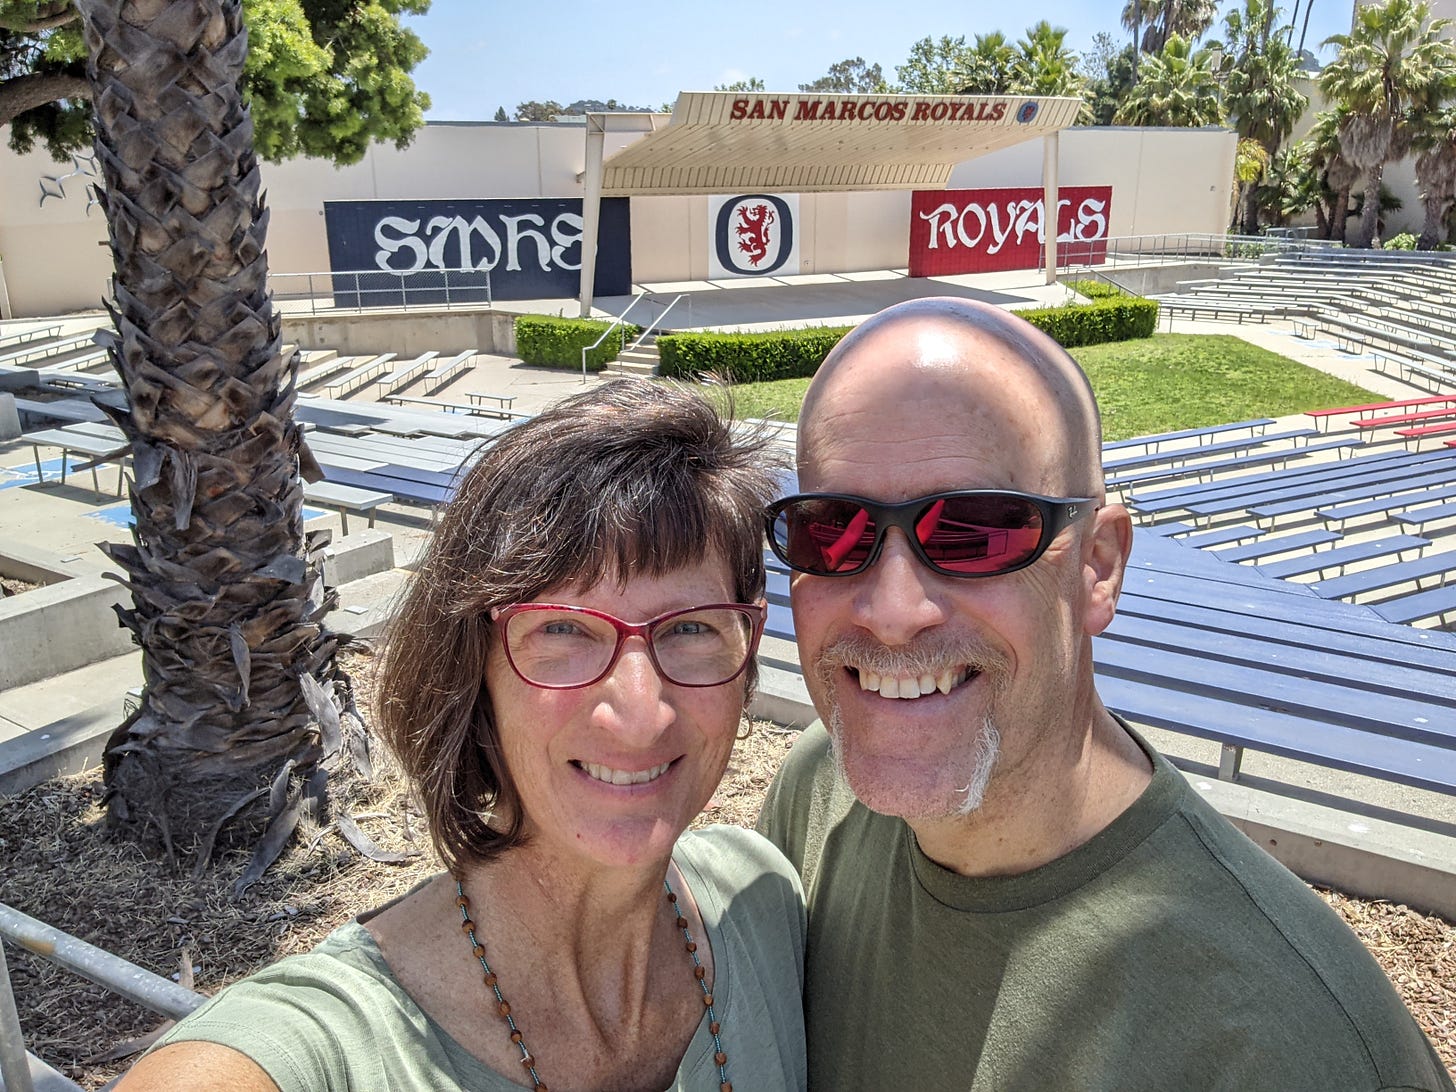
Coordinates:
[239,716]
[848,77]
[1435,140]
[1108,86]
[1392,65]
[1258,73]
[1292,187]
[538,111]
[323,78]
[500,114]
[1176,87]
[1154,23]
[1043,65]
[935,67]
[753,83]
[1251,160]
[989,66]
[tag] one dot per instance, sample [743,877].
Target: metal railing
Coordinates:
[364,289]
[1172,248]
[619,324]
[111,971]
[655,322]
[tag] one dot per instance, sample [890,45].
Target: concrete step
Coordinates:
[629,368]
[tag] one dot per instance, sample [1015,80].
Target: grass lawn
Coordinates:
[1156,384]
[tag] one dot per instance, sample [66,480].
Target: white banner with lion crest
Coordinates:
[753,235]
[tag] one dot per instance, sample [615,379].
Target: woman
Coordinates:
[563,685]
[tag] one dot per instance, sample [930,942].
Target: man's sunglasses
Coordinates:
[964,532]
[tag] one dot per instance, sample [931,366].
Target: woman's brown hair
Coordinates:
[631,478]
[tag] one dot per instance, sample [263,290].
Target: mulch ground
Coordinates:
[9,585]
[60,865]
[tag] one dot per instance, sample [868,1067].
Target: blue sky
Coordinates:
[485,53]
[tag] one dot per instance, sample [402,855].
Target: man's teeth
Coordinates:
[890,686]
[624,777]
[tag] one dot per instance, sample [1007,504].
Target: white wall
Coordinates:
[1164,180]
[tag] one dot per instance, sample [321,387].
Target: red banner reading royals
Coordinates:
[980,231]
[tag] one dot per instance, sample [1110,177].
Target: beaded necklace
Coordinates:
[700,974]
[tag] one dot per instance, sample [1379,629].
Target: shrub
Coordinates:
[1404,241]
[1118,318]
[793,354]
[1095,289]
[556,342]
[748,358]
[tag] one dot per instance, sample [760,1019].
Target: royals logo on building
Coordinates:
[753,235]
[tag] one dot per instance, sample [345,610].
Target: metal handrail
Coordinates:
[330,288]
[111,971]
[116,974]
[619,321]
[653,325]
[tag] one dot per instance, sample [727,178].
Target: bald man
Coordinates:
[1008,888]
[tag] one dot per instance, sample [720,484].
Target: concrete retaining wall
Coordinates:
[407,333]
[59,628]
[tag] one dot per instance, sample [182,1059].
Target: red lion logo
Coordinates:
[752,230]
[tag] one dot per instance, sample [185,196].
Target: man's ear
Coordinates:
[1104,562]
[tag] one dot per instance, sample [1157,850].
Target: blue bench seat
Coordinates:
[1341,556]
[1382,505]
[1281,544]
[1385,576]
[1431,603]
[1419,517]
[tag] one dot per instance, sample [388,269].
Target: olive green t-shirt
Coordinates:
[335,1019]
[1167,954]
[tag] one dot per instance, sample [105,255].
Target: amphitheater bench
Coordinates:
[69,410]
[1321,416]
[1221,536]
[1419,517]
[1283,544]
[1386,576]
[1343,555]
[1431,603]
[1178,456]
[365,373]
[1419,433]
[329,367]
[447,371]
[1237,726]
[1256,427]
[345,499]
[9,341]
[1150,475]
[1384,505]
[99,449]
[406,373]
[1417,417]
[31,351]
[478,398]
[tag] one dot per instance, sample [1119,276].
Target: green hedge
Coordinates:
[557,342]
[748,358]
[1095,289]
[792,354]
[1119,318]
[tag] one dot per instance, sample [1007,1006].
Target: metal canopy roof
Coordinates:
[730,142]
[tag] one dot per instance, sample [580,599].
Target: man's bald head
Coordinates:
[1012,385]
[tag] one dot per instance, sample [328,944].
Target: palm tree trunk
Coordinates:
[1308,7]
[1370,207]
[1437,206]
[1340,216]
[1251,209]
[227,598]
